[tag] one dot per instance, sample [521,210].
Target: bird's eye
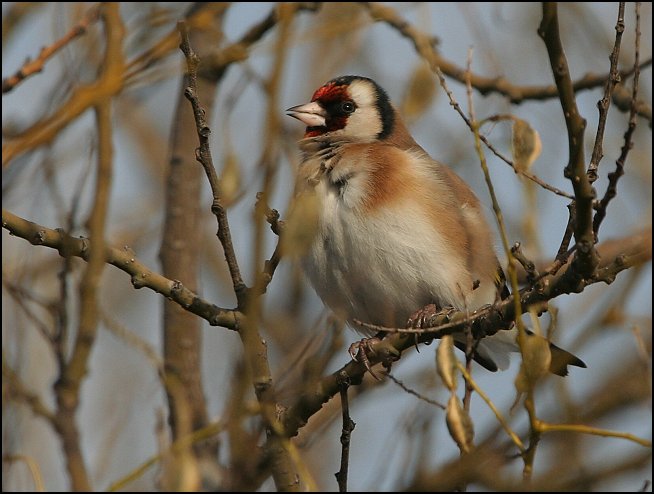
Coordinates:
[347,107]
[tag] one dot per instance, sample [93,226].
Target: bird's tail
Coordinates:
[493,352]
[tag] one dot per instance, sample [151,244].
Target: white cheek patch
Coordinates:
[365,123]
[362,93]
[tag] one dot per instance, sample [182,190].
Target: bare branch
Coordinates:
[612,188]
[73,372]
[604,103]
[31,67]
[125,260]
[203,155]
[485,85]
[575,171]
[18,392]
[346,432]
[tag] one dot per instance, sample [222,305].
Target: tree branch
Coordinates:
[73,372]
[612,188]
[424,47]
[203,155]
[586,259]
[180,253]
[603,104]
[31,67]
[124,259]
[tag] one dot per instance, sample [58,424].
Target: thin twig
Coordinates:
[203,155]
[470,346]
[500,418]
[612,188]
[584,429]
[180,252]
[562,253]
[528,265]
[31,67]
[239,51]
[72,373]
[516,94]
[348,427]
[414,392]
[33,467]
[623,101]
[424,47]
[604,103]
[586,258]
[21,296]
[17,391]
[288,471]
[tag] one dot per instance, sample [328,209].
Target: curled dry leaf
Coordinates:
[459,424]
[446,362]
[420,92]
[301,224]
[230,179]
[536,358]
[526,145]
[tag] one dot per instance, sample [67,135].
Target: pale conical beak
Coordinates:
[310,114]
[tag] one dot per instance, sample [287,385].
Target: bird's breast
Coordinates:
[378,266]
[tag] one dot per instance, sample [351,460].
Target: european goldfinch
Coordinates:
[396,230]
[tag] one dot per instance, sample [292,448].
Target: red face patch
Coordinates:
[330,92]
[329,96]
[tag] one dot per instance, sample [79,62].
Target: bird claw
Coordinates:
[381,349]
[359,351]
[420,318]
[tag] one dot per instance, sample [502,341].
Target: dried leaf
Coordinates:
[230,179]
[420,92]
[526,145]
[459,424]
[301,224]
[446,362]
[536,358]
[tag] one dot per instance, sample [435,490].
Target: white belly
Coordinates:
[381,268]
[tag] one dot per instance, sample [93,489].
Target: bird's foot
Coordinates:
[367,348]
[420,318]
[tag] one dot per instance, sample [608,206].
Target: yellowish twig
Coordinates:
[33,467]
[181,444]
[584,429]
[500,418]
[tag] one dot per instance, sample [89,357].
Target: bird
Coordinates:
[396,230]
